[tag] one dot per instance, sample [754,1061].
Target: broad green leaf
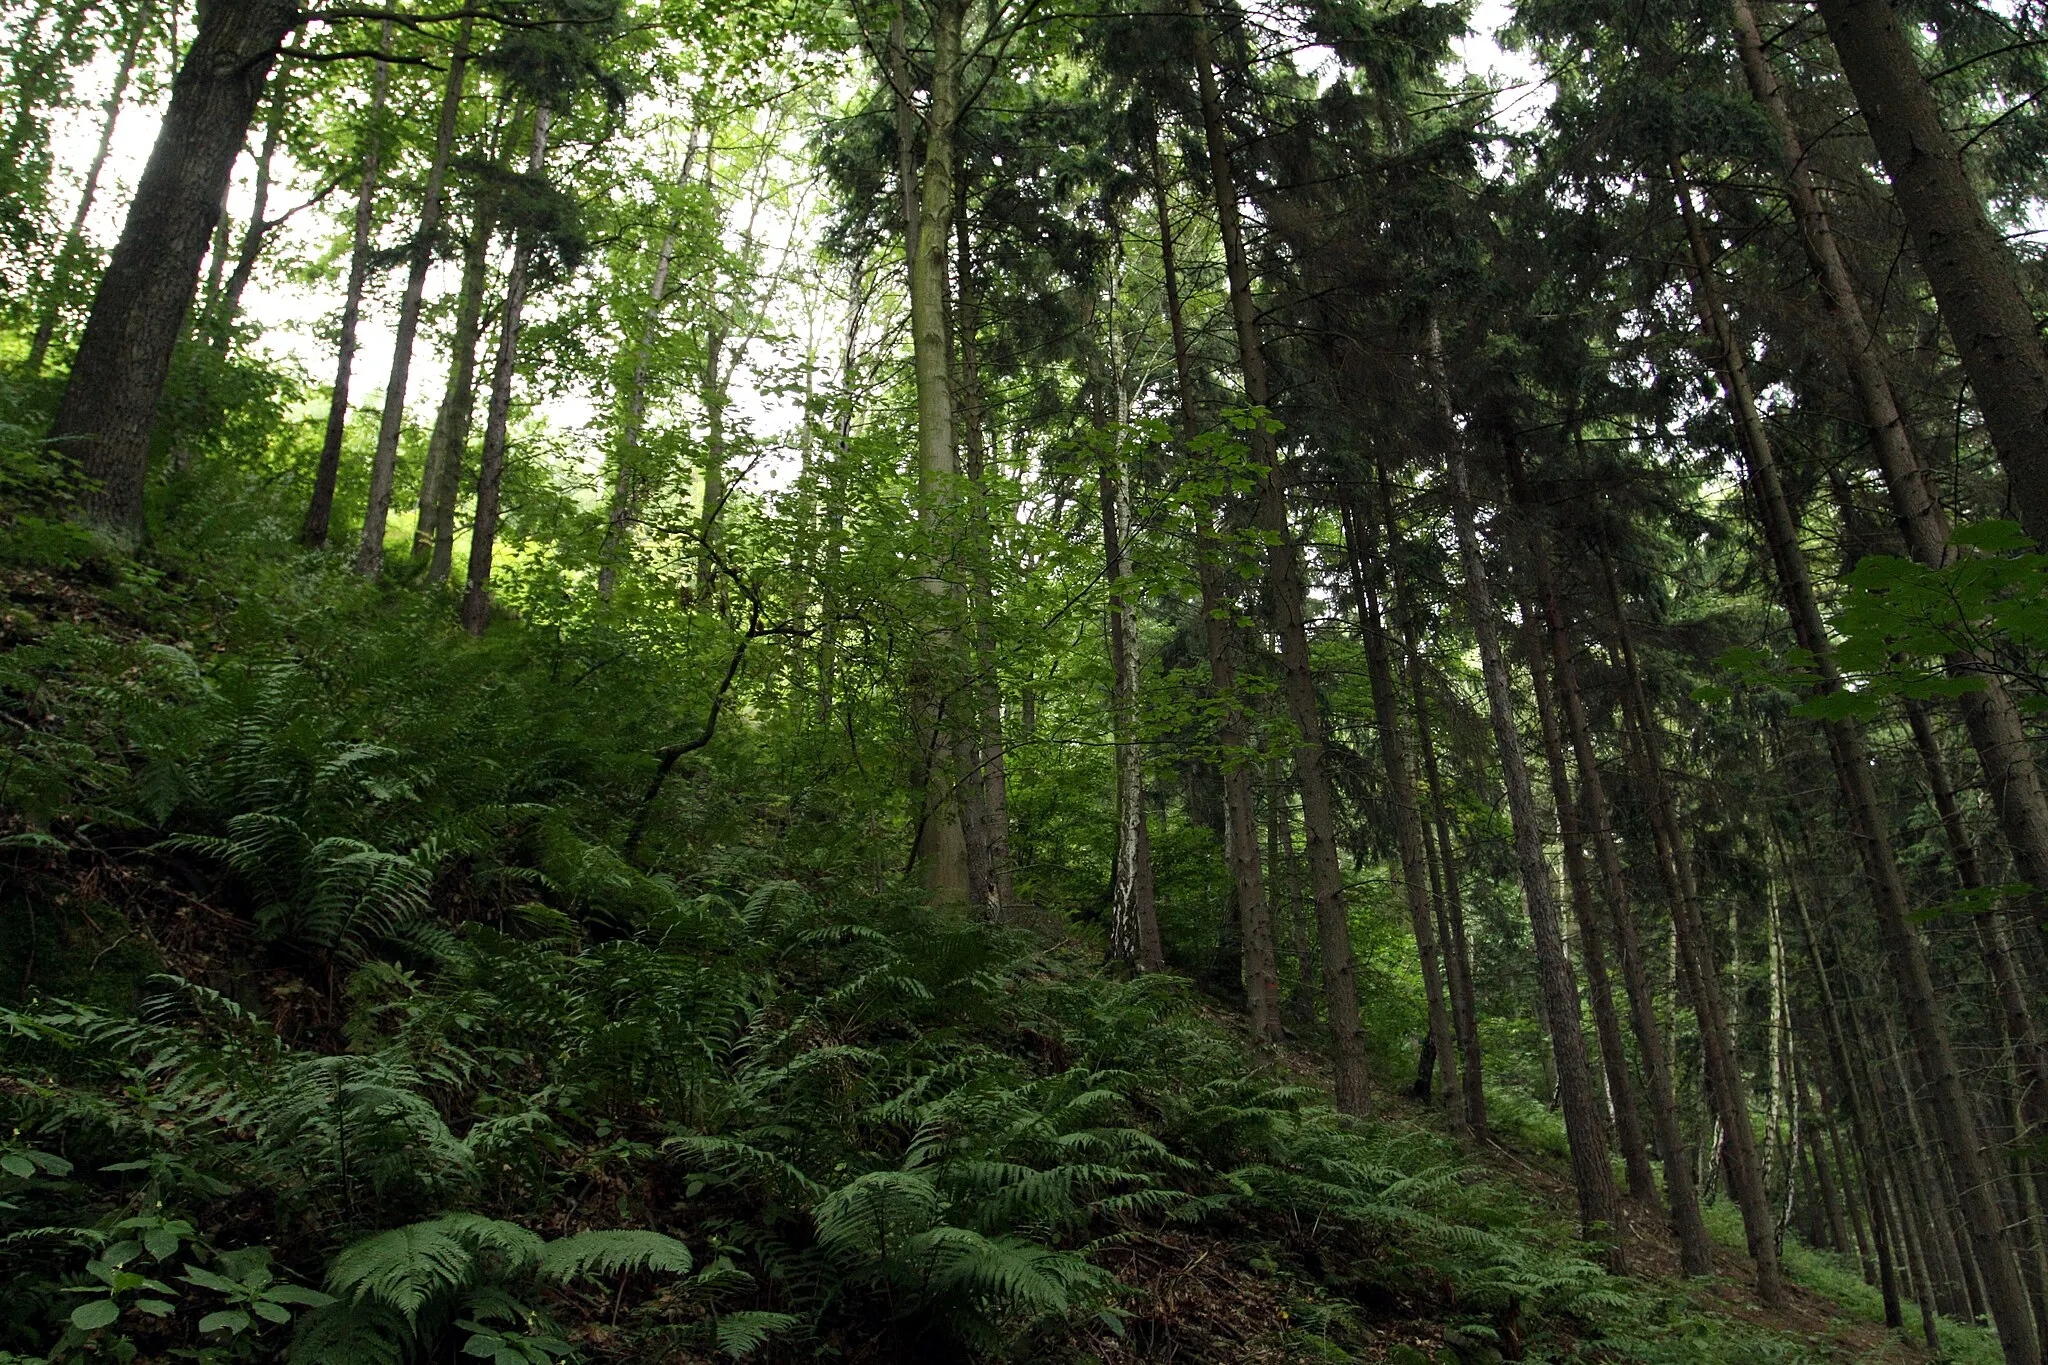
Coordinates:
[96,1314]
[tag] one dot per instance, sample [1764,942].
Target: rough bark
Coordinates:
[1259,956]
[1288,600]
[391,422]
[1361,536]
[1967,260]
[490,470]
[1592,1177]
[1694,956]
[320,508]
[117,377]
[433,539]
[1870,830]
[2011,774]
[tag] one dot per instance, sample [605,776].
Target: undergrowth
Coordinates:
[343,1029]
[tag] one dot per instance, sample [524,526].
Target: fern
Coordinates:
[613,1252]
[741,1334]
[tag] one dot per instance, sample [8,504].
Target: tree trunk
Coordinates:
[320,510]
[1695,1250]
[1133,916]
[1288,597]
[2012,777]
[1621,1089]
[434,534]
[1694,955]
[1361,538]
[1593,1178]
[928,228]
[384,464]
[138,313]
[1968,262]
[490,470]
[1259,955]
[2008,1302]
[260,225]
[1862,1121]
[625,478]
[74,236]
[1457,952]
[990,777]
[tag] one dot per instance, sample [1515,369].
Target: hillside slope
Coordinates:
[340,1027]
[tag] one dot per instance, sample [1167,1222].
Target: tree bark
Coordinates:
[1133,916]
[1971,268]
[2012,776]
[138,313]
[229,309]
[2008,1301]
[1592,1177]
[1621,1088]
[928,228]
[1457,952]
[1361,537]
[320,510]
[625,478]
[1288,597]
[391,423]
[1259,956]
[434,533]
[1693,952]
[490,471]
[1695,1250]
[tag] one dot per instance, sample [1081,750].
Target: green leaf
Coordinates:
[90,1316]
[156,1308]
[298,1293]
[14,1163]
[1996,537]
[271,1312]
[207,1279]
[227,1320]
[161,1243]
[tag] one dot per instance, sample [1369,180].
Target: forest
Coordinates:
[1012,680]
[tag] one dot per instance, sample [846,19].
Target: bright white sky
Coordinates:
[292,314]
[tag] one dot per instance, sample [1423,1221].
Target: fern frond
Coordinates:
[613,1252]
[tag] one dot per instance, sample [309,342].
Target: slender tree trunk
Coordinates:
[1288,597]
[74,236]
[1823,1178]
[434,534]
[1283,874]
[1693,951]
[490,471]
[1852,763]
[1967,260]
[1862,1122]
[1133,917]
[1361,536]
[1260,962]
[384,464]
[320,510]
[1695,1250]
[138,313]
[1457,954]
[625,476]
[1621,1090]
[261,225]
[990,779]
[1593,1178]
[2012,777]
[928,228]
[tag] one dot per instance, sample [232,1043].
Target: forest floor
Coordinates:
[1188,1293]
